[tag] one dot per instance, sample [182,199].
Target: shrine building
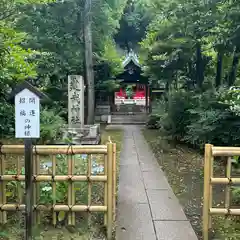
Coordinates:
[134,91]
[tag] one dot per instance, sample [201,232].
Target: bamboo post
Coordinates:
[73,190]
[89,186]
[3,198]
[19,186]
[34,189]
[37,188]
[228,187]
[105,187]
[210,189]
[69,159]
[1,187]
[207,191]
[114,181]
[110,191]
[54,188]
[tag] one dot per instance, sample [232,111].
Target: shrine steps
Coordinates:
[129,119]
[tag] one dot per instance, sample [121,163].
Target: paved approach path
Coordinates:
[147,207]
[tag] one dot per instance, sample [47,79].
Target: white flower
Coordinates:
[47,189]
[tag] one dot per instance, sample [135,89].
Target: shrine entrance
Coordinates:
[132,98]
[134,93]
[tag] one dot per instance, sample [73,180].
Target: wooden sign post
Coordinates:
[27,127]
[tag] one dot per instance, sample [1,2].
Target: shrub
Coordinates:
[212,122]
[51,126]
[50,123]
[175,122]
[236,195]
[6,119]
[199,118]
[153,121]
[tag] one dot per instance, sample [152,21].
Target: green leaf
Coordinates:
[61,216]
[9,194]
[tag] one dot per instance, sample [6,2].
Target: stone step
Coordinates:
[127,123]
[129,113]
[130,116]
[128,119]
[135,119]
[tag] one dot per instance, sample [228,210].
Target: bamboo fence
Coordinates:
[108,178]
[208,210]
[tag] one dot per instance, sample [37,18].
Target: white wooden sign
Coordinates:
[27,115]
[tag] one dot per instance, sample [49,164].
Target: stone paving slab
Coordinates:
[133,190]
[148,167]
[174,230]
[134,222]
[126,157]
[155,180]
[165,206]
[147,207]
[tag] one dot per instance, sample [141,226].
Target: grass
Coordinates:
[184,169]
[116,137]
[13,230]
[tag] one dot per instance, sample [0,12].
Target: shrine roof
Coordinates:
[131,56]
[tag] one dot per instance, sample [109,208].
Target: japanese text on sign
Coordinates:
[27,119]
[75,94]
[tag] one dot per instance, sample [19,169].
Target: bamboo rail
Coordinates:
[108,178]
[225,151]
[224,211]
[56,149]
[211,152]
[60,178]
[56,208]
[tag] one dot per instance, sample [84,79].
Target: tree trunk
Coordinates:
[89,62]
[233,71]
[218,78]
[199,66]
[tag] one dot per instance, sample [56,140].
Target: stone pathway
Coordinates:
[147,207]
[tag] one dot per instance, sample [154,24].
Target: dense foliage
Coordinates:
[43,40]
[199,118]
[191,48]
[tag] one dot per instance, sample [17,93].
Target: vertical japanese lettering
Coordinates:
[22,100]
[32,100]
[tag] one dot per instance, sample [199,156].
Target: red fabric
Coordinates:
[120,94]
[139,94]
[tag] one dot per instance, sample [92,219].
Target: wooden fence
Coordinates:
[108,178]
[208,210]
